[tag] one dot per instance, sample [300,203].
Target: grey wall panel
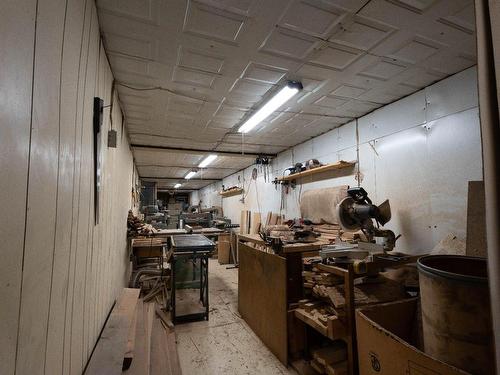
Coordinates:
[17,33]
[454,146]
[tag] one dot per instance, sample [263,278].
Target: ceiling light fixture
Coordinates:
[190,175]
[281,97]
[177,186]
[209,159]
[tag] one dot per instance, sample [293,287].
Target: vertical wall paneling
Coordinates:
[17,33]
[42,182]
[60,272]
[61,263]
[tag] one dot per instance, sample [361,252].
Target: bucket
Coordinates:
[456,315]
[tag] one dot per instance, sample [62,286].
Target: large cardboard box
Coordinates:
[390,341]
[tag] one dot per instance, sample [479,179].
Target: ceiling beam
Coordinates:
[179,178]
[199,151]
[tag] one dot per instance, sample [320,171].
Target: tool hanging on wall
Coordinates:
[262,162]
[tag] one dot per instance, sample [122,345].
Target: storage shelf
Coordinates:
[230,193]
[334,330]
[325,168]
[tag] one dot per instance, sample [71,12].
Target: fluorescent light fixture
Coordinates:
[209,159]
[281,97]
[190,175]
[177,186]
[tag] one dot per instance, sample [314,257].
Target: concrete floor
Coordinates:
[225,344]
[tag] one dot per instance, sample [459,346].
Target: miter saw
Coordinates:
[356,212]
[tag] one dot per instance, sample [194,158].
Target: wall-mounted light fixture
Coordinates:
[177,186]
[280,98]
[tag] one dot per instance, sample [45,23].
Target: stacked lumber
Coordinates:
[322,317]
[331,232]
[316,277]
[331,359]
[155,343]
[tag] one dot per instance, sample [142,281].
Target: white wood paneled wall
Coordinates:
[60,273]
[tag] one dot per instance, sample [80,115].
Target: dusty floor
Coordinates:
[225,344]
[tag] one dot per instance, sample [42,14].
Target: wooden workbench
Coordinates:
[267,284]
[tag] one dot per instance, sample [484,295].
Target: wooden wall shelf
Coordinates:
[325,168]
[230,193]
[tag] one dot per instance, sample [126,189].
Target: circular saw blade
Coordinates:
[344,214]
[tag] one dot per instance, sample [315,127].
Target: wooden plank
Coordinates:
[17,34]
[129,352]
[476,220]
[140,364]
[164,357]
[325,168]
[255,223]
[110,349]
[262,298]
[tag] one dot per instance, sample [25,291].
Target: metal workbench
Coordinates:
[189,256]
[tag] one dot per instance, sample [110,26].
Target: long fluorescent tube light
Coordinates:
[177,186]
[190,175]
[281,97]
[205,162]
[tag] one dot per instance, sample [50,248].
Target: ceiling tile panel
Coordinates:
[212,23]
[290,44]
[217,60]
[312,17]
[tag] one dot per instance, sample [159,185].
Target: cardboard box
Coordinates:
[390,341]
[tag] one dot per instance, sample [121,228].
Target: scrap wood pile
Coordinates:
[331,359]
[331,232]
[137,227]
[329,289]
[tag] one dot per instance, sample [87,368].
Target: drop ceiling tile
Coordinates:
[417,6]
[193,77]
[287,43]
[415,50]
[146,11]
[330,101]
[131,46]
[250,88]
[362,33]
[263,73]
[422,78]
[312,17]
[181,105]
[311,84]
[348,91]
[129,64]
[200,60]
[462,20]
[336,56]
[448,62]
[383,70]
[212,23]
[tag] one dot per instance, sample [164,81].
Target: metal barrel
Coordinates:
[456,314]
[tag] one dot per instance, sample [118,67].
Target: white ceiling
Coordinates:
[216,60]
